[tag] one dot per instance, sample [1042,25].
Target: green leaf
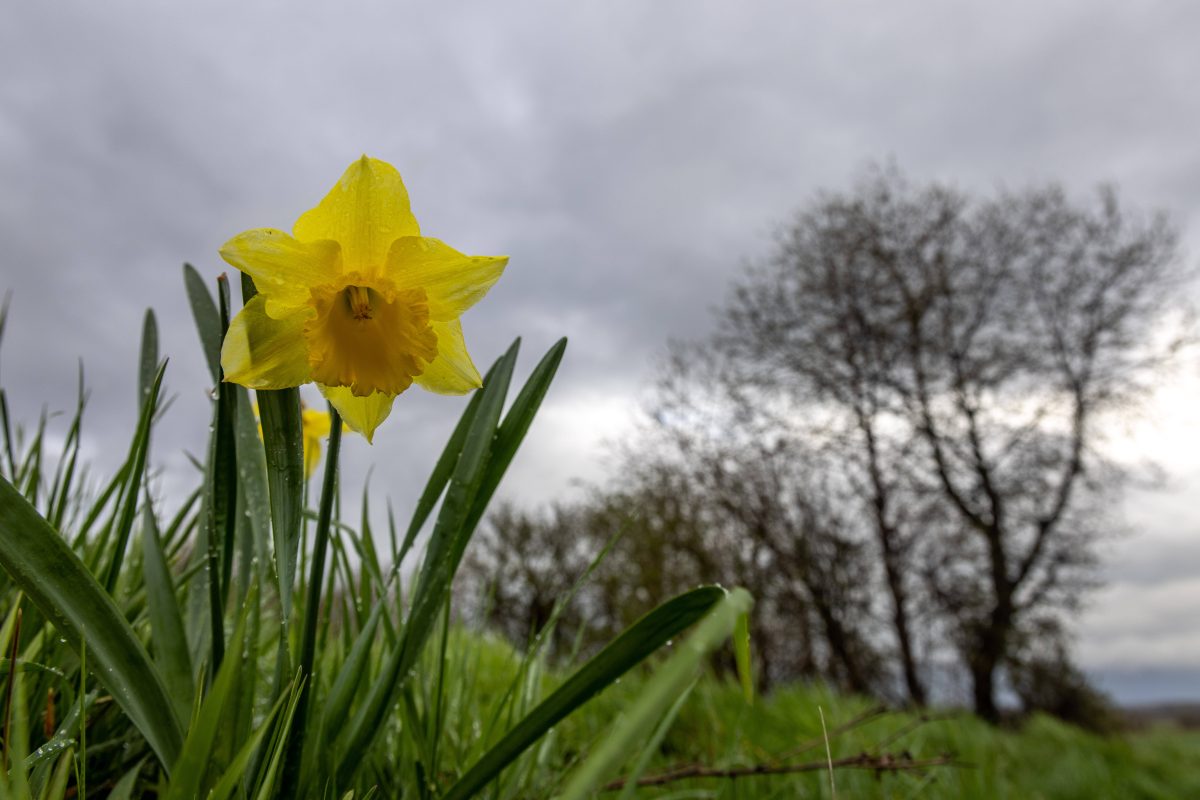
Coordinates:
[669,681]
[166,619]
[651,748]
[441,560]
[312,608]
[195,758]
[123,790]
[442,471]
[63,589]
[208,321]
[741,653]
[350,676]
[637,642]
[239,766]
[148,363]
[283,446]
[252,477]
[64,487]
[220,499]
[137,461]
[279,744]
[57,788]
[516,424]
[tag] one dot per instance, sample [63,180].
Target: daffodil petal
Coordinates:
[314,426]
[315,423]
[452,372]
[366,211]
[283,268]
[361,414]
[261,352]
[312,456]
[453,281]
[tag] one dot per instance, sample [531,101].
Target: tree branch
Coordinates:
[886,762]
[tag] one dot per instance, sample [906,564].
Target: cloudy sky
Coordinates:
[628,156]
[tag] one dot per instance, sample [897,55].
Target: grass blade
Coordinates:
[441,560]
[651,747]
[148,363]
[669,681]
[123,790]
[137,460]
[637,642]
[741,653]
[166,618]
[350,676]
[208,321]
[64,487]
[195,758]
[239,766]
[63,589]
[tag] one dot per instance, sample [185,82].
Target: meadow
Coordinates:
[108,608]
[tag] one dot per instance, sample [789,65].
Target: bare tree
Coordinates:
[959,355]
[735,515]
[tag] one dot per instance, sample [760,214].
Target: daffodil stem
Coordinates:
[312,608]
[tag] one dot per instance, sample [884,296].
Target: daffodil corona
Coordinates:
[355,300]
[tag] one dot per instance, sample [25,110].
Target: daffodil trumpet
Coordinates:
[356,301]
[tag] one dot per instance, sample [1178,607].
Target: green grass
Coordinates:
[253,641]
[246,642]
[717,729]
[1044,758]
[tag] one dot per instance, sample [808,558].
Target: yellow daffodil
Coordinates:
[314,426]
[355,300]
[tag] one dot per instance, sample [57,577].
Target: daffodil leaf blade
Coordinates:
[283,448]
[629,649]
[442,471]
[516,424]
[63,589]
[252,483]
[451,530]
[208,320]
[437,570]
[220,499]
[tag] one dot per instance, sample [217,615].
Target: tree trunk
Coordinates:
[983,688]
[990,647]
[916,689]
[840,645]
[893,567]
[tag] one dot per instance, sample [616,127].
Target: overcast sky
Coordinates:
[628,156]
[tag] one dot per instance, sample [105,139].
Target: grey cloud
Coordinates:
[629,156]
